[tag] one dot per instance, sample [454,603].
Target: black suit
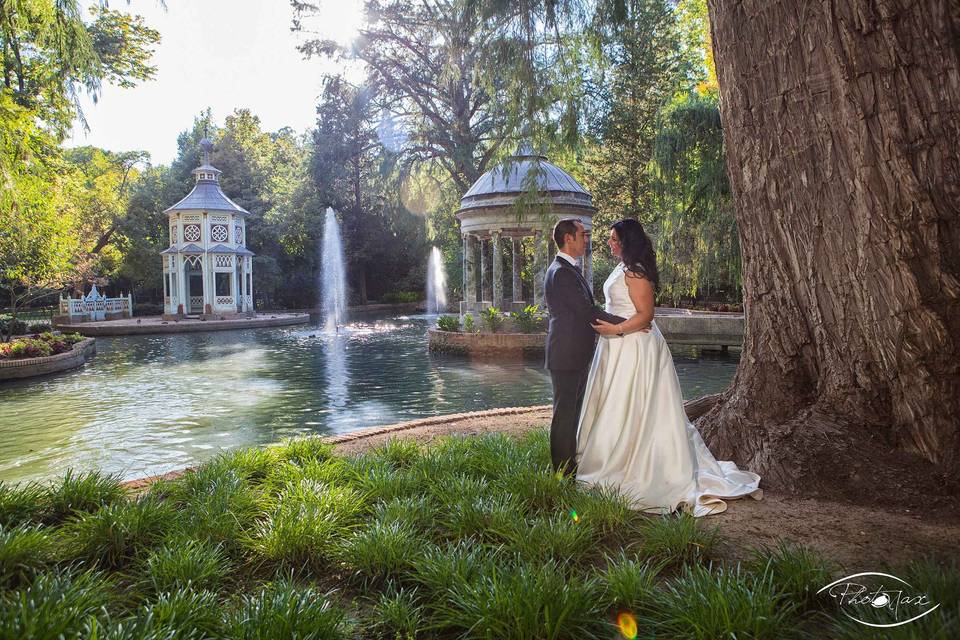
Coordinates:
[570,345]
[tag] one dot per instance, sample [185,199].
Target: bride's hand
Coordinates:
[605,328]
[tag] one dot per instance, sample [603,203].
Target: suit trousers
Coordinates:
[568,390]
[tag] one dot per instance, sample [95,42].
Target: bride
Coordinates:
[633,432]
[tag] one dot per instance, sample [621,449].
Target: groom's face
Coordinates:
[576,244]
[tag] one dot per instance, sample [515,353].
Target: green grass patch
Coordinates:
[470,537]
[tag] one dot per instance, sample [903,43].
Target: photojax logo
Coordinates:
[879,599]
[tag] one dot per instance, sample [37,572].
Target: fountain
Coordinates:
[436,283]
[333,281]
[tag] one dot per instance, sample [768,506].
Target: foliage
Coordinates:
[470,536]
[492,319]
[448,323]
[468,324]
[45,344]
[529,319]
[400,297]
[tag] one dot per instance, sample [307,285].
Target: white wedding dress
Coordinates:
[634,434]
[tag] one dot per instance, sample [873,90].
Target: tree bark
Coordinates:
[842,129]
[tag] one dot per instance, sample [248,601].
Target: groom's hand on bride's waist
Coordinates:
[609,329]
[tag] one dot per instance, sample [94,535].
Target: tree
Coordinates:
[36,239]
[49,51]
[843,142]
[642,66]
[426,62]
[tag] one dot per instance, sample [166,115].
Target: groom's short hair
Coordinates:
[567,226]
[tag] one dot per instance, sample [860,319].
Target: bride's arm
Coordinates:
[641,294]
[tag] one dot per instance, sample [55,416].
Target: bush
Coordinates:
[39,327]
[492,319]
[147,309]
[398,297]
[529,320]
[468,326]
[12,327]
[448,323]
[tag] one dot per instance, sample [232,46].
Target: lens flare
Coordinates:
[628,625]
[575,516]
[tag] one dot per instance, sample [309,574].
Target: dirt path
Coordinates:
[858,538]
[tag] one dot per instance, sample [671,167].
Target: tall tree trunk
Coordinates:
[842,130]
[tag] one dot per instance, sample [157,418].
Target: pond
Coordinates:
[150,404]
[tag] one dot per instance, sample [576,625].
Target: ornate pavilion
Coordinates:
[207,269]
[489,219]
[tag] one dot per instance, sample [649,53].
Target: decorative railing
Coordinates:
[196,302]
[224,301]
[95,306]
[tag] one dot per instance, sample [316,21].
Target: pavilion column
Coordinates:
[588,262]
[249,261]
[517,254]
[497,269]
[182,291]
[484,279]
[469,270]
[242,271]
[540,267]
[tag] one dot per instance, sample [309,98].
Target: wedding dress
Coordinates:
[633,433]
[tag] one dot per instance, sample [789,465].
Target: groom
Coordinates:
[570,339]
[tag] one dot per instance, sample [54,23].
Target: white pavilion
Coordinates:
[207,269]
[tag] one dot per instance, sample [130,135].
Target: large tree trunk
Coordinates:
[842,130]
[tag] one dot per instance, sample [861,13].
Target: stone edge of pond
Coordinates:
[32,367]
[139,484]
[154,325]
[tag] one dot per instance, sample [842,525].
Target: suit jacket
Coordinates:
[570,338]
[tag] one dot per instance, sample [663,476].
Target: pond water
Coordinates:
[151,404]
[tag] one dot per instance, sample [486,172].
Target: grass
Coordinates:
[471,537]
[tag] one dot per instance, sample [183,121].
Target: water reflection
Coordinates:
[149,404]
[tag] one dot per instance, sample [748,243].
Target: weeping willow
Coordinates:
[695,234]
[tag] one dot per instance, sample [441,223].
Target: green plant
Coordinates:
[676,539]
[58,604]
[39,327]
[468,324]
[286,610]
[82,493]
[383,550]
[116,534]
[185,564]
[24,551]
[492,319]
[400,297]
[22,503]
[398,613]
[448,323]
[529,320]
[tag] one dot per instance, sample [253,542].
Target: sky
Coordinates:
[222,54]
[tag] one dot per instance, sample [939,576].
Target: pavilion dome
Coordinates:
[507,180]
[207,195]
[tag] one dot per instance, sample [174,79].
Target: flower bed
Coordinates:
[38,346]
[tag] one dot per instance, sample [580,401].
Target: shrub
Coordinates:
[147,309]
[399,297]
[448,323]
[492,319]
[529,319]
[82,493]
[39,327]
[13,327]
[22,503]
[468,324]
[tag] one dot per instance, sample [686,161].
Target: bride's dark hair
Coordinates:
[637,250]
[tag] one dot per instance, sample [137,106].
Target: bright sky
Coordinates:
[222,54]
